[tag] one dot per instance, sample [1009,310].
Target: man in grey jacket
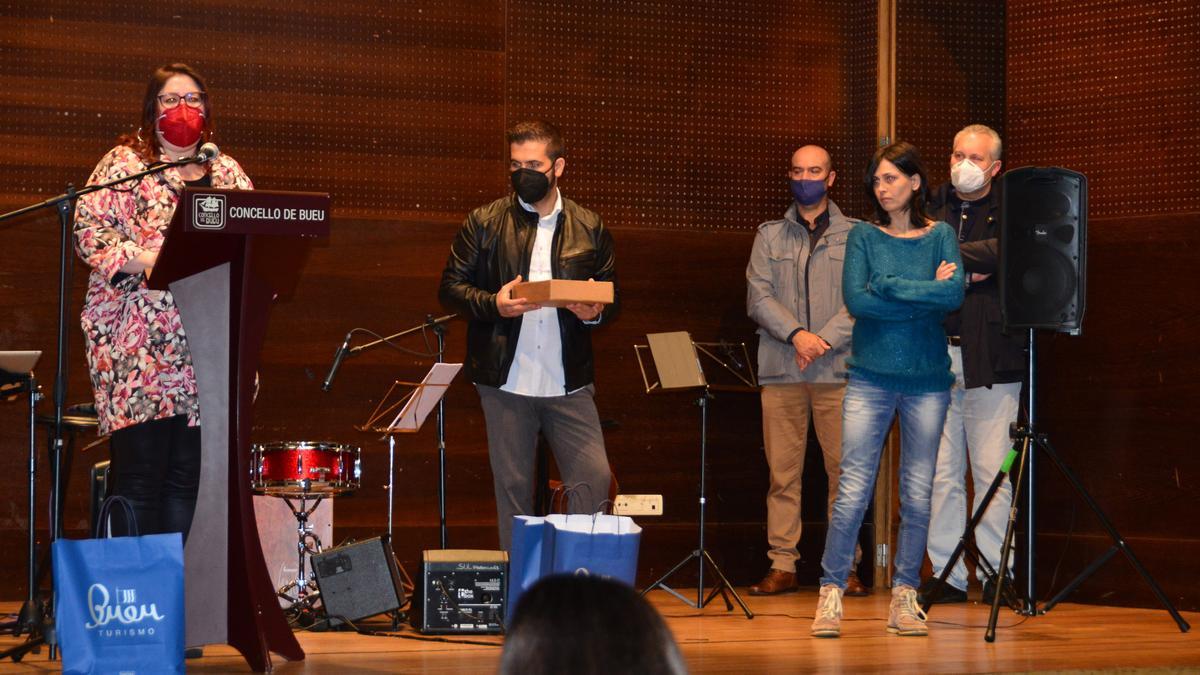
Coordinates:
[794,294]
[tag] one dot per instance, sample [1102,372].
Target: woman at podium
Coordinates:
[137,352]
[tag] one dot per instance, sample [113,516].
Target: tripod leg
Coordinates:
[945,574]
[662,581]
[1118,540]
[961,549]
[727,586]
[718,589]
[1075,583]
[1006,549]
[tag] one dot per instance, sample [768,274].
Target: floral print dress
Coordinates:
[137,351]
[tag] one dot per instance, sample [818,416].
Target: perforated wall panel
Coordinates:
[949,73]
[1109,89]
[680,114]
[394,107]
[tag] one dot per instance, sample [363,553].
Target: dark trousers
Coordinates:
[571,426]
[156,466]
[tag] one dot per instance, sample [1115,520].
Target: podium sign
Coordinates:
[227,255]
[256,212]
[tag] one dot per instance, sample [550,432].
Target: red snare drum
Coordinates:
[300,468]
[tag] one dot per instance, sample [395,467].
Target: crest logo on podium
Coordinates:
[208,212]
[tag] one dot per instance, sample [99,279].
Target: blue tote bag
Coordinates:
[118,601]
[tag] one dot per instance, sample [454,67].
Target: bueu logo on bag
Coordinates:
[123,608]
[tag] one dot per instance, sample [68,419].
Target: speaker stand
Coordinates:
[1031,437]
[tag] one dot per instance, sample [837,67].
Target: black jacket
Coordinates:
[990,356]
[494,246]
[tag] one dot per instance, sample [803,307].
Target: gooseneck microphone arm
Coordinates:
[346,350]
[431,322]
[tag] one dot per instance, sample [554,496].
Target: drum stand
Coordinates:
[307,545]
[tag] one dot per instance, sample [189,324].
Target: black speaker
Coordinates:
[358,580]
[1043,242]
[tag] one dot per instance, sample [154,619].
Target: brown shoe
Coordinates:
[856,588]
[776,582]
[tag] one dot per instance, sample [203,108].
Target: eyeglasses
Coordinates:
[194,99]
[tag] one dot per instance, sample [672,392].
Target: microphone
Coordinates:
[337,362]
[207,153]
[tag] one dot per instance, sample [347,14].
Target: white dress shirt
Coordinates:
[537,367]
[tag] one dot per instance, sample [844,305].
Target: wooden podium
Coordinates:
[228,254]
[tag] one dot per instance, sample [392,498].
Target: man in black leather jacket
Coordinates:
[533,365]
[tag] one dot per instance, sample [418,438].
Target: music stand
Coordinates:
[676,360]
[16,374]
[415,406]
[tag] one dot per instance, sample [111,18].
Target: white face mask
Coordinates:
[967,177]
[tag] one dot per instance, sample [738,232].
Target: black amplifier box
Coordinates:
[462,591]
[358,580]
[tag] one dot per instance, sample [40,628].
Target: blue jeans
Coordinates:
[866,417]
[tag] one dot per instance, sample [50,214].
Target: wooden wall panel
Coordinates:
[685,114]
[680,119]
[1110,89]
[949,73]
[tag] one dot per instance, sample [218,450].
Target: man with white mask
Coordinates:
[988,367]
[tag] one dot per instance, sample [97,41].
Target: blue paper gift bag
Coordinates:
[529,558]
[118,603]
[599,545]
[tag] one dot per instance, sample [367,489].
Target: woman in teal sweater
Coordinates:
[901,276]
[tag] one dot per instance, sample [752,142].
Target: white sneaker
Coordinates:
[828,622]
[905,616]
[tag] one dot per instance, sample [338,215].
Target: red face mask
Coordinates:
[182,125]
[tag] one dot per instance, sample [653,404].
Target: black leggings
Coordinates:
[156,466]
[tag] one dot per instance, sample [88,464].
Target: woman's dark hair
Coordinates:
[587,626]
[145,141]
[906,158]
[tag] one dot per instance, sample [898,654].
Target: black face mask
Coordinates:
[531,186]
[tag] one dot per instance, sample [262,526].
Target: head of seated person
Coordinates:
[587,625]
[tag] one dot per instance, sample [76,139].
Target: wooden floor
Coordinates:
[1071,637]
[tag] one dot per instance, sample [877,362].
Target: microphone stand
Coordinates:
[65,205]
[437,325]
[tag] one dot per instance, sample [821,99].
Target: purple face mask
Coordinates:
[808,192]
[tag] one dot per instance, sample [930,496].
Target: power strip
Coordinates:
[638,505]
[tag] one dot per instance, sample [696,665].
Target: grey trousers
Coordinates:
[572,428]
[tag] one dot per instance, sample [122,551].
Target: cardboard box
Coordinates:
[562,292]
